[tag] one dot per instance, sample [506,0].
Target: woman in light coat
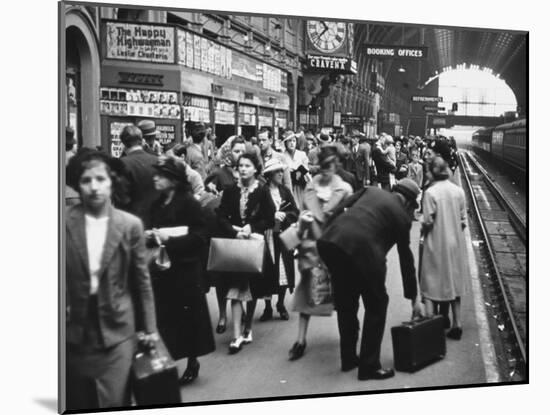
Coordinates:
[298,163]
[321,196]
[444,260]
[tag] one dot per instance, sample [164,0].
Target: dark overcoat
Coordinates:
[182,310]
[367,230]
[141,189]
[260,215]
[383,167]
[288,206]
[358,163]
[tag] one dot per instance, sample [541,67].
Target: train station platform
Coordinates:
[262,369]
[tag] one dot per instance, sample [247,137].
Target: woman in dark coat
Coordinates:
[246,208]
[286,214]
[220,179]
[182,311]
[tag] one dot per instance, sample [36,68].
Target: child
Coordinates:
[388,150]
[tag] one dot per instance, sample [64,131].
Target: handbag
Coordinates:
[154,375]
[236,255]
[320,287]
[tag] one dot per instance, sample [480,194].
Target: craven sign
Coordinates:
[331,64]
[396,52]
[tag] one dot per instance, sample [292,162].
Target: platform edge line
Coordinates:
[488,353]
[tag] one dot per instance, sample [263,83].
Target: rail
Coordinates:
[492,257]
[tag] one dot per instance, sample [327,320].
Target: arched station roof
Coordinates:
[504,52]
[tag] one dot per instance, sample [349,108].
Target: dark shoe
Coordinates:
[267,314]
[190,374]
[455,333]
[350,365]
[379,374]
[282,312]
[297,351]
[236,345]
[220,328]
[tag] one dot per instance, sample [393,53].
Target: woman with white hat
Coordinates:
[286,214]
[298,162]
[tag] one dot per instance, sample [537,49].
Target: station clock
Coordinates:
[326,36]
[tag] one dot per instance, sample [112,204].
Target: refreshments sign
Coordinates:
[140,42]
[396,52]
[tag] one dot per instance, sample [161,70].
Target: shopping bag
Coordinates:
[236,255]
[319,286]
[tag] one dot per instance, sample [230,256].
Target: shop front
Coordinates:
[139,80]
[240,93]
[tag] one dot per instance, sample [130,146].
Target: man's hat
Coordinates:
[147,127]
[409,189]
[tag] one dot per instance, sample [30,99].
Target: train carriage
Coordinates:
[505,143]
[513,143]
[481,140]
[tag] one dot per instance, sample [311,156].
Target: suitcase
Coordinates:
[155,376]
[418,343]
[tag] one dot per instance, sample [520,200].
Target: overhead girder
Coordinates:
[502,51]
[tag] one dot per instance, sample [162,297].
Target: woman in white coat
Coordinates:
[445,259]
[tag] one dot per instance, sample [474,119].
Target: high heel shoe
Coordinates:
[221,327]
[191,373]
[236,345]
[267,314]
[296,351]
[282,312]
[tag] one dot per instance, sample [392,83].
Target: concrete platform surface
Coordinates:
[262,369]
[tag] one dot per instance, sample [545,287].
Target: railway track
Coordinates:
[503,234]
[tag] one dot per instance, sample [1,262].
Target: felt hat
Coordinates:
[171,168]
[147,127]
[408,188]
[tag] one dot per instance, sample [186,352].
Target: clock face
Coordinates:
[326,36]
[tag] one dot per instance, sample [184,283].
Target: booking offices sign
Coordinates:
[395,52]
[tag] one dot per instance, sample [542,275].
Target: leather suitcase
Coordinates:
[418,343]
[155,376]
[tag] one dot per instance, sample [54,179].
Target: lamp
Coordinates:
[401,68]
